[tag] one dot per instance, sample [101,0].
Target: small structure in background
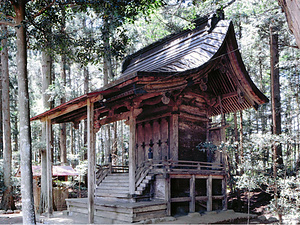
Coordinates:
[60,192]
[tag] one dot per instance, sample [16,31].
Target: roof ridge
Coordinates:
[211,21]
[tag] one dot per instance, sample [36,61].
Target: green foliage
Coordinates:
[82,168]
[289,196]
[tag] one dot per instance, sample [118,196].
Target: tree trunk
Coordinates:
[63,148]
[241,157]
[7,198]
[46,73]
[292,12]
[86,90]
[275,92]
[25,132]
[276,109]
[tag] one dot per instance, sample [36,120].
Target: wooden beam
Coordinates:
[117,117]
[91,160]
[193,117]
[49,168]
[132,151]
[72,107]
[192,110]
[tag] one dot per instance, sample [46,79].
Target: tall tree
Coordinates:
[46,73]
[23,97]
[63,137]
[275,92]
[7,200]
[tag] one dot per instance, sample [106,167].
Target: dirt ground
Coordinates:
[193,218]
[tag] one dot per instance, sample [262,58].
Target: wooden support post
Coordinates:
[168,195]
[49,168]
[91,159]
[223,135]
[224,190]
[174,137]
[132,152]
[192,194]
[209,193]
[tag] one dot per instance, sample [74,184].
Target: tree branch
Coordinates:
[44,9]
[2,22]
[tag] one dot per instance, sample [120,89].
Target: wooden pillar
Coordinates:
[224,190]
[174,137]
[49,168]
[91,159]
[168,195]
[223,134]
[132,152]
[192,194]
[209,193]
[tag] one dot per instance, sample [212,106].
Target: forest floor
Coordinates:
[259,214]
[223,217]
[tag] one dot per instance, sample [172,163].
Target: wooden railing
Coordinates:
[182,166]
[141,172]
[161,167]
[104,170]
[175,167]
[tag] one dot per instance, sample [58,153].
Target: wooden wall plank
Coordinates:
[140,140]
[164,130]
[148,137]
[156,138]
[174,137]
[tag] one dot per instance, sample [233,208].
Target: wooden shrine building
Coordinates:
[167,93]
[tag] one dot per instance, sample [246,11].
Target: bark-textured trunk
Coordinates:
[107,72]
[86,90]
[7,198]
[25,132]
[276,110]
[241,157]
[292,13]
[46,73]
[63,136]
[63,148]
[275,92]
